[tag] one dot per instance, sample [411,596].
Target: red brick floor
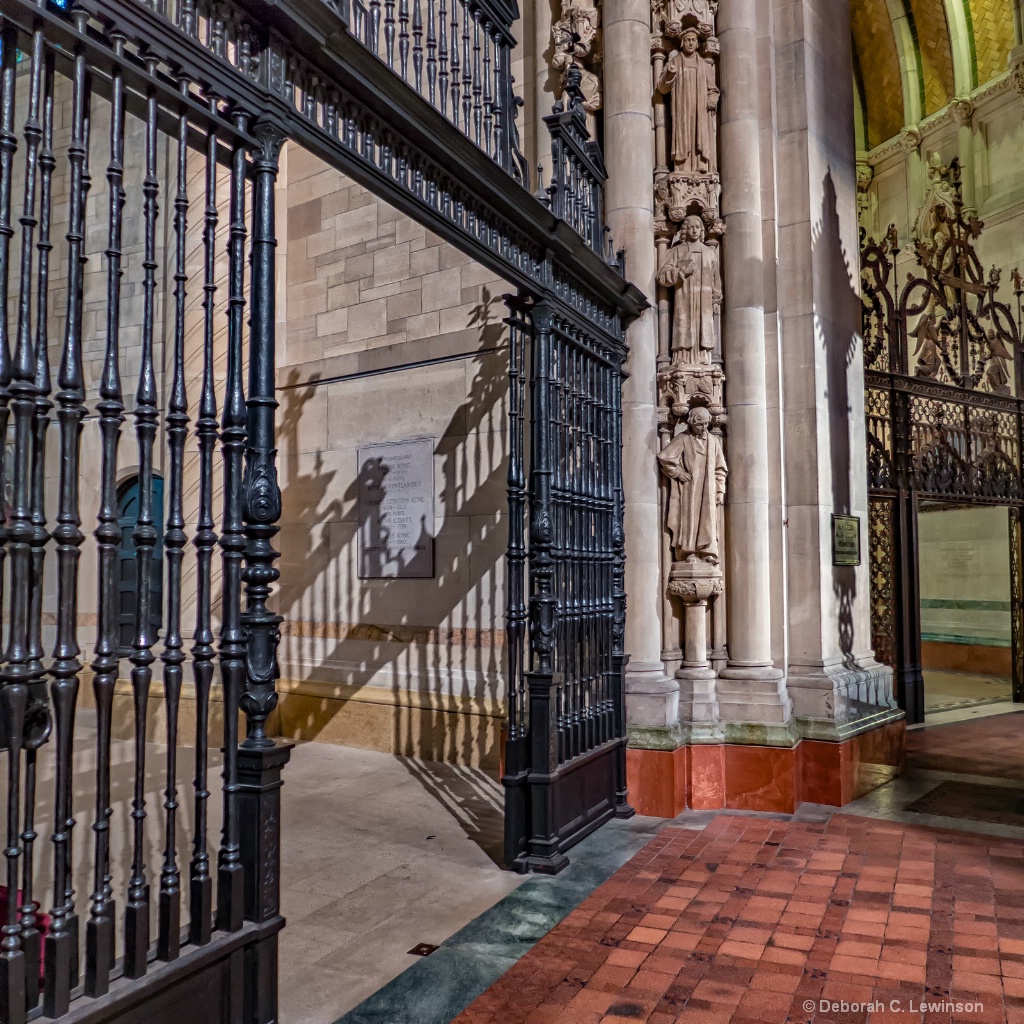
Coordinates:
[753,921]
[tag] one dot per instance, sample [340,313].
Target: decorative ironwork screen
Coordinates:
[138,153]
[565,753]
[944,384]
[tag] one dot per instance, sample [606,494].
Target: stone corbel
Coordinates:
[961,110]
[1017,68]
[910,139]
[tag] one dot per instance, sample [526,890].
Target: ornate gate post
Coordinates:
[260,758]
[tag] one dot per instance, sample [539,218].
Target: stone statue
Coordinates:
[931,229]
[997,376]
[929,356]
[695,466]
[691,267]
[690,79]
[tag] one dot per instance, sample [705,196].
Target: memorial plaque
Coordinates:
[845,540]
[396,510]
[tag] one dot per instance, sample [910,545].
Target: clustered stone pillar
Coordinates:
[652,699]
[750,687]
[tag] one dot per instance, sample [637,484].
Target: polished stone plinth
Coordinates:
[764,776]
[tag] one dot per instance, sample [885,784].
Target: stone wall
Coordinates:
[388,334]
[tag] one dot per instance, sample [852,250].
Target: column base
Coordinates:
[652,699]
[841,691]
[713,768]
[755,693]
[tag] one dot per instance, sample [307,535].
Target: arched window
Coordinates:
[128,516]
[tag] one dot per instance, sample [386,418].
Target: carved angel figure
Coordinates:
[929,356]
[996,376]
[690,79]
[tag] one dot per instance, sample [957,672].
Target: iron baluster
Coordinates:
[403,39]
[13,689]
[389,32]
[455,61]
[467,68]
[8,147]
[169,928]
[61,966]
[144,537]
[442,54]
[205,540]
[232,544]
[38,137]
[488,139]
[431,54]
[477,84]
[374,28]
[417,45]
[515,601]
[262,507]
[100,927]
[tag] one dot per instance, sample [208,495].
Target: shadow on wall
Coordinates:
[358,642]
[841,338]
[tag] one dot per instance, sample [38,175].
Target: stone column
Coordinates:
[652,699]
[836,686]
[750,687]
[546,89]
[963,111]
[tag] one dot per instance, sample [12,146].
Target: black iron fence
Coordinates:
[89,912]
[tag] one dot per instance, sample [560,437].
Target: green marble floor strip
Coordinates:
[440,986]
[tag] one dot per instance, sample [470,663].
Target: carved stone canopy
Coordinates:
[682,193]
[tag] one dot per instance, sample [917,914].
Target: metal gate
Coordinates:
[944,384]
[136,94]
[565,754]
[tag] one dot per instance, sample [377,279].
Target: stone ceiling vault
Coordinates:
[912,57]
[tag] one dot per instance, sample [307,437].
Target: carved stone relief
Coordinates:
[688,231]
[576,40]
[931,228]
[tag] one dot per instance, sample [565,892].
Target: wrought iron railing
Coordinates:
[91,911]
[457,55]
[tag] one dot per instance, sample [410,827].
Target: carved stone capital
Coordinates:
[695,582]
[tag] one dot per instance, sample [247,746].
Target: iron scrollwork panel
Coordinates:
[882,575]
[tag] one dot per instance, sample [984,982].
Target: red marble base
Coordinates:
[707,777]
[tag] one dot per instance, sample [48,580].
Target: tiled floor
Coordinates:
[754,921]
[988,746]
[946,693]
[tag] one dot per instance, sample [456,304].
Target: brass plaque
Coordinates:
[845,540]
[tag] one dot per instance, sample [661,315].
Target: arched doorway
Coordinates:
[943,387]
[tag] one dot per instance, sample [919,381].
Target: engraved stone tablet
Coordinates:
[845,540]
[396,510]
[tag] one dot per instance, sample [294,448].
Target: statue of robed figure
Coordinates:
[691,81]
[691,267]
[696,468]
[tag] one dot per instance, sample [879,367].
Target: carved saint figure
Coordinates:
[931,231]
[691,267]
[695,465]
[929,357]
[997,377]
[690,79]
